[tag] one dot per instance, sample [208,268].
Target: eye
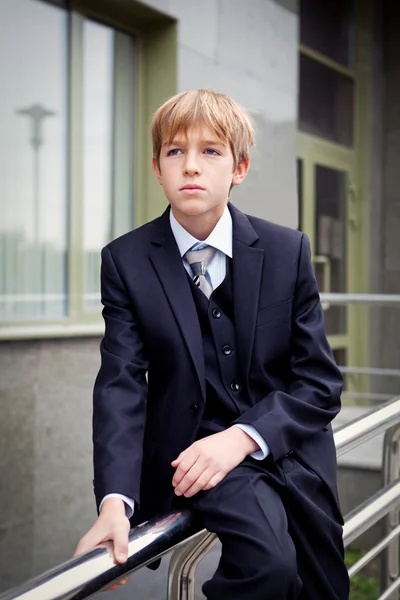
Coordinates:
[174,152]
[211,152]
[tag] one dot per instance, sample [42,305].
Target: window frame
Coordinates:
[156,45]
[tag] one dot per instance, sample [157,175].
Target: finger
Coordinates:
[176,462]
[88,542]
[185,466]
[215,480]
[200,484]
[121,542]
[181,472]
[115,586]
[190,477]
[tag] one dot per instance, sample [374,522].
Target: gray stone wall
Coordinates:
[249,50]
[46,477]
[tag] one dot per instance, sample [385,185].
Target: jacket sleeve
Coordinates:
[120,392]
[312,398]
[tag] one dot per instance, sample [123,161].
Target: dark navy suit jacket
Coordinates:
[140,426]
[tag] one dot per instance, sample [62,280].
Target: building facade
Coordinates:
[80,81]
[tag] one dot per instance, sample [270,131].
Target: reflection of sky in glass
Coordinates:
[33,67]
[97,135]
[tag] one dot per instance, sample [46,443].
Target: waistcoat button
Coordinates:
[227,349]
[216,313]
[194,408]
[235,387]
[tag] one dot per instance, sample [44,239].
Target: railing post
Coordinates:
[183,564]
[391,471]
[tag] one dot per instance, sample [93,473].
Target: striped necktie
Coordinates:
[198,258]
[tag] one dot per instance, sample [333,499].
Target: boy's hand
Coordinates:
[206,462]
[111,525]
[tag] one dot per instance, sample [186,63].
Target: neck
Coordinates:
[199,226]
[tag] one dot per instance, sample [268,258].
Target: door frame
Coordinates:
[313,152]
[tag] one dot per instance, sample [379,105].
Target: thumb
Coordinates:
[121,544]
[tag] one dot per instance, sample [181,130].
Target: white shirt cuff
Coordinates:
[129,503]
[253,433]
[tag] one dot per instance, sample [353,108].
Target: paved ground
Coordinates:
[151,585]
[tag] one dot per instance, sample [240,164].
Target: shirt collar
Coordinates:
[220,237]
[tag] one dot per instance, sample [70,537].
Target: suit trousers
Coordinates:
[280,531]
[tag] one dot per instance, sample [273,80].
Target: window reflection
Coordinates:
[300,193]
[97,135]
[330,229]
[108,145]
[33,140]
[326,102]
[328,27]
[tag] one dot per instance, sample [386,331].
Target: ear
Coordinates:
[240,171]
[156,169]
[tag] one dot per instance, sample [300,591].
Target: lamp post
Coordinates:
[37,114]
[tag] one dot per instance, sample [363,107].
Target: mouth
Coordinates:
[189,187]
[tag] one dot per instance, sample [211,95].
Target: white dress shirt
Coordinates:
[221,239]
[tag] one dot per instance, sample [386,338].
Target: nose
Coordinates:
[191,165]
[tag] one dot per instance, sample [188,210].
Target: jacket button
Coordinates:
[194,408]
[227,349]
[235,387]
[216,313]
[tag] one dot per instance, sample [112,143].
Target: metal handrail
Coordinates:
[372,511]
[335,299]
[370,371]
[366,427]
[363,562]
[84,575]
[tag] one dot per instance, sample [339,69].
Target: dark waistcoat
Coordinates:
[226,397]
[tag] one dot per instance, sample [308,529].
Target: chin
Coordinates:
[192,207]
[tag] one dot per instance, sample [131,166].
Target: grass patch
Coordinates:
[362,587]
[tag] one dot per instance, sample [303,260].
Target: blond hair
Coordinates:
[226,118]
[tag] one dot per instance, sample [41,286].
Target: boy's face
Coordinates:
[196,173]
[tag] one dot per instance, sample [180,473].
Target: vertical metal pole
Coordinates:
[391,471]
[39,238]
[183,564]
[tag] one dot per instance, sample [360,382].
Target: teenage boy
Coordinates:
[221,311]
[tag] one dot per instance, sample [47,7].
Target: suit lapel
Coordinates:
[247,271]
[167,263]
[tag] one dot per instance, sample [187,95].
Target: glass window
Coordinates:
[33,159]
[108,145]
[300,193]
[328,28]
[330,229]
[326,102]
[340,356]
[34,140]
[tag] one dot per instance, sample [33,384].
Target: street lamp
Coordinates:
[37,114]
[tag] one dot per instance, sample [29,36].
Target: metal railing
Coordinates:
[84,575]
[368,301]
[373,299]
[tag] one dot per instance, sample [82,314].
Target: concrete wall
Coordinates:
[248,50]
[46,494]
